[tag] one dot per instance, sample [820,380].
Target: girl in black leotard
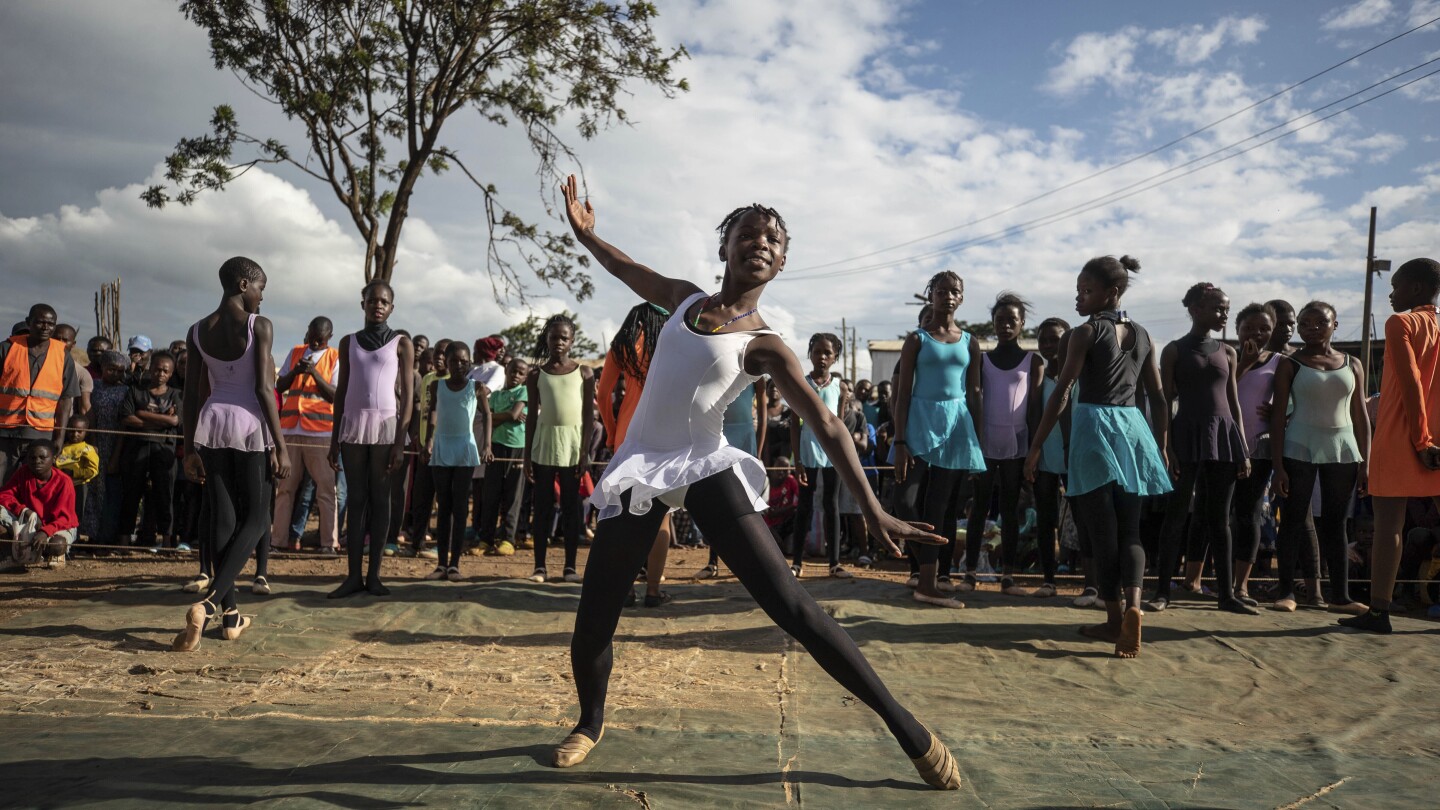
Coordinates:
[1113,459]
[1208,448]
[713,345]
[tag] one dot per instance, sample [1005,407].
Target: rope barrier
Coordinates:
[139,554]
[290,441]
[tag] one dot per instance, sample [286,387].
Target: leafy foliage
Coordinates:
[373,82]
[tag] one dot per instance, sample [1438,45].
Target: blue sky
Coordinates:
[867,122]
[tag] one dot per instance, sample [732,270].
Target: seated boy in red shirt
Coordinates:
[37,510]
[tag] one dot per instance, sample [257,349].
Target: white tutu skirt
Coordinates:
[650,474]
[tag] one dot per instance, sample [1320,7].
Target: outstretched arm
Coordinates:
[768,355]
[659,290]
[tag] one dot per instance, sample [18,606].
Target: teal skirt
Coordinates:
[1113,443]
[942,433]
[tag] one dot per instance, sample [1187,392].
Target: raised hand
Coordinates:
[582,215]
[888,530]
[1249,353]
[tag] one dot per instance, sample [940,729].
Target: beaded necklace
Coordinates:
[706,303]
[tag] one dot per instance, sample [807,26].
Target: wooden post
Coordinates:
[1365,360]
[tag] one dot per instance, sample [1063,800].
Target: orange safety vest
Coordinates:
[31,404]
[303,406]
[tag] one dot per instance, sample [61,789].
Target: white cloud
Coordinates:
[803,113]
[1096,57]
[1423,11]
[1196,43]
[1358,15]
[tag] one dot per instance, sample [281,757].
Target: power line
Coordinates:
[1123,163]
[1116,196]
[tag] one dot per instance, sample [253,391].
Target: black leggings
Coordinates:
[830,516]
[1047,521]
[939,507]
[1249,500]
[724,513]
[544,489]
[1006,473]
[1337,484]
[1212,483]
[906,502]
[1109,518]
[367,504]
[452,492]
[237,494]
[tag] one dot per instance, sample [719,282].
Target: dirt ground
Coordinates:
[452,694]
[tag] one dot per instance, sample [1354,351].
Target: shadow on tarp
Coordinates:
[173,779]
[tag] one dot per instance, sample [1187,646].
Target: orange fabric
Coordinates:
[303,406]
[615,425]
[1409,417]
[31,404]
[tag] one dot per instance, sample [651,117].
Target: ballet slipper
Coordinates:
[938,601]
[1128,646]
[1352,608]
[937,767]
[1285,605]
[573,749]
[242,623]
[188,640]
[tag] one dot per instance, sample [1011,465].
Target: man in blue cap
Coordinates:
[139,360]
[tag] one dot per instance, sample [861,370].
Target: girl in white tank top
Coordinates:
[675,452]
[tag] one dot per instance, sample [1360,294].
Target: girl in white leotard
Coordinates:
[675,453]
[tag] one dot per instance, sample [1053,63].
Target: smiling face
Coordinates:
[1009,323]
[1048,342]
[1212,311]
[1257,326]
[1316,326]
[754,249]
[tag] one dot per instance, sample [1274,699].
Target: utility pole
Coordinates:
[1369,294]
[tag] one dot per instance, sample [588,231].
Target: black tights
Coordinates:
[830,516]
[367,505]
[1109,518]
[1249,501]
[1047,521]
[544,489]
[237,492]
[1212,483]
[939,508]
[1337,483]
[906,501]
[724,513]
[1006,473]
[452,490]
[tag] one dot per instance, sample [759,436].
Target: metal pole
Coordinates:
[1369,294]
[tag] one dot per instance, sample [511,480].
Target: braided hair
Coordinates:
[727,224]
[542,346]
[642,324]
[943,275]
